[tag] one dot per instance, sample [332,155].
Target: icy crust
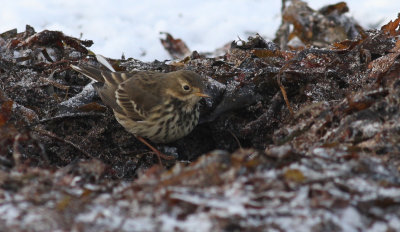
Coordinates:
[247,198]
[81,98]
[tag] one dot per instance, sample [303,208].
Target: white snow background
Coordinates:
[133,27]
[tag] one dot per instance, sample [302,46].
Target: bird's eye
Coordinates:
[186,87]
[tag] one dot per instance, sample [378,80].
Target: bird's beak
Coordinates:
[201,94]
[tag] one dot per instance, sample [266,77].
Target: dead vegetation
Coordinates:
[297,136]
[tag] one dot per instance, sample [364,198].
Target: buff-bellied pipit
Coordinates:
[161,107]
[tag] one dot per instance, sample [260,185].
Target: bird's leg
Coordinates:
[158,153]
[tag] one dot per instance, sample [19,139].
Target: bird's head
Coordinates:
[187,86]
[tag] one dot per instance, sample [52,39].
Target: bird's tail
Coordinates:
[89,71]
[108,77]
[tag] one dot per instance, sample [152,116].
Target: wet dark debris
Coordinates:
[298,136]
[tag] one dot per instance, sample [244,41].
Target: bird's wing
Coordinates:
[139,94]
[107,86]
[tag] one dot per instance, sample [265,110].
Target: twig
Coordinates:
[54,136]
[236,138]
[16,153]
[64,116]
[283,91]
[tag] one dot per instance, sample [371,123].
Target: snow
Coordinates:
[133,27]
[87,92]
[197,222]
[9,212]
[351,220]
[379,227]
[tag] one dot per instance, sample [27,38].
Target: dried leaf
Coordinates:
[396,48]
[364,100]
[5,112]
[61,205]
[86,193]
[175,47]
[49,81]
[391,27]
[382,64]
[294,175]
[340,8]
[346,44]
[264,53]
[9,34]
[319,28]
[93,106]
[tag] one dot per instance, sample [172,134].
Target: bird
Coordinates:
[160,107]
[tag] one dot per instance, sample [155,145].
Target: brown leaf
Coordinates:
[391,27]
[294,175]
[5,112]
[265,53]
[47,81]
[93,106]
[9,34]
[340,7]
[63,203]
[175,47]
[396,48]
[346,44]
[382,64]
[362,101]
